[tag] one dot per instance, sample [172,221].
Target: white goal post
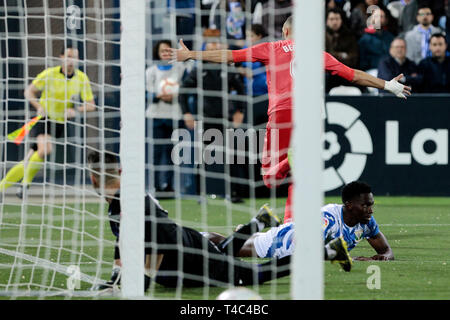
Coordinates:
[307,266]
[132,144]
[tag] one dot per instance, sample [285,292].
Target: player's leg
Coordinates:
[288,216]
[35,162]
[247,250]
[44,147]
[115,273]
[15,174]
[336,251]
[264,219]
[275,163]
[275,166]
[247,273]
[214,237]
[274,269]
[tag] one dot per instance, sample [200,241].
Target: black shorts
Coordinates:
[47,126]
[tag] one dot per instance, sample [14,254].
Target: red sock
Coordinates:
[288,209]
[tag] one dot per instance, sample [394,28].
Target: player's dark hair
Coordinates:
[156,48]
[95,162]
[259,30]
[354,189]
[438,35]
[94,157]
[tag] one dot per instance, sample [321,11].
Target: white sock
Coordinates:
[331,253]
[260,224]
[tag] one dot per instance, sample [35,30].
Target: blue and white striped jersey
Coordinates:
[278,242]
[334,226]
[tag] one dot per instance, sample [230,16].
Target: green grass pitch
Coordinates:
[416,228]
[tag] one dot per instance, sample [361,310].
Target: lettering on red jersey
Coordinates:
[278,58]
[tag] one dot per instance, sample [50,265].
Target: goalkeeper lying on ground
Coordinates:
[352,220]
[202,262]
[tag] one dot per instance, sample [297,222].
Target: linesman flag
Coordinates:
[18,135]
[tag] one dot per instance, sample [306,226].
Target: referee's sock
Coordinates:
[33,167]
[14,175]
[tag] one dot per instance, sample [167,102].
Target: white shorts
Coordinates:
[277,242]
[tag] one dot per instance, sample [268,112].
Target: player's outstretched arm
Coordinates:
[183,54]
[381,246]
[364,79]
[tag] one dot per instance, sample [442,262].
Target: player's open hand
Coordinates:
[397,88]
[181,54]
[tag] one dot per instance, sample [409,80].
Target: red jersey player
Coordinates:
[278,58]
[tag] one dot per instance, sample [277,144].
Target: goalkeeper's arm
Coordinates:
[365,79]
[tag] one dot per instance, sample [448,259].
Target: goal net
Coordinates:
[193,138]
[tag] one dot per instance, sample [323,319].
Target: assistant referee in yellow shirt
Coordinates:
[59,87]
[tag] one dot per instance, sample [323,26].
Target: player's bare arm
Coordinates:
[89,106]
[183,54]
[364,79]
[381,246]
[31,93]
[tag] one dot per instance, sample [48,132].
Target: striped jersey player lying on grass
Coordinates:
[353,220]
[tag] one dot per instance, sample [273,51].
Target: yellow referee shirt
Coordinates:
[59,92]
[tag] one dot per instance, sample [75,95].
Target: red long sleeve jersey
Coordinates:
[278,58]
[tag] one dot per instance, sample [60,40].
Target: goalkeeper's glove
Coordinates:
[395,87]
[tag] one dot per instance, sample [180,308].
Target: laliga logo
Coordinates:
[358,136]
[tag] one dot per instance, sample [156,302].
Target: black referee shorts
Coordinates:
[47,126]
